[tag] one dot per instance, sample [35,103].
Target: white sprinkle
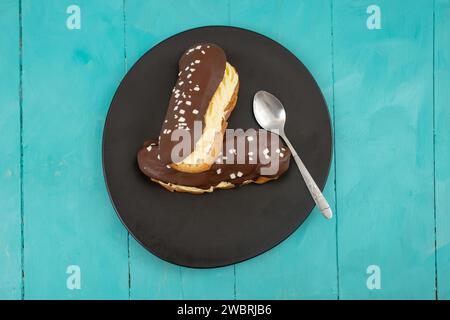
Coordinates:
[186,69]
[192,63]
[181,119]
[232,176]
[165,130]
[167,166]
[277,151]
[265,151]
[266,156]
[195,111]
[240,174]
[175,116]
[250,153]
[177,95]
[181,111]
[250,158]
[175,109]
[184,96]
[179,102]
[283,149]
[165,121]
[159,157]
[197,61]
[208,47]
[250,138]
[188,103]
[179,73]
[219,171]
[203,52]
[190,82]
[180,83]
[189,96]
[281,155]
[169,131]
[189,75]
[198,47]
[149,148]
[232,151]
[192,69]
[197,88]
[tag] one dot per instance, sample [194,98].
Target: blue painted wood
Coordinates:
[384,148]
[69,77]
[147,23]
[442,130]
[10,226]
[303,266]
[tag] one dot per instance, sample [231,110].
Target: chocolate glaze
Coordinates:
[222,170]
[201,69]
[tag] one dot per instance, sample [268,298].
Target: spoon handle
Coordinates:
[316,194]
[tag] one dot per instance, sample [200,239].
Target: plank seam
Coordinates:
[234,283]
[229,12]
[125,35]
[434,157]
[180,274]
[22,238]
[234,266]
[125,61]
[334,149]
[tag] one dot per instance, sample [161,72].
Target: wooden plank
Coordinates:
[303,266]
[147,23]
[10,226]
[69,78]
[384,148]
[442,131]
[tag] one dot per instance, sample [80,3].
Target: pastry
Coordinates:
[204,94]
[234,166]
[202,99]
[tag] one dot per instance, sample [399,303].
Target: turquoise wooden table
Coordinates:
[384,69]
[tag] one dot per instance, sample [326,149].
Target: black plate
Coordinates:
[227,226]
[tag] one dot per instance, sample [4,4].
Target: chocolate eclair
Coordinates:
[205,93]
[255,157]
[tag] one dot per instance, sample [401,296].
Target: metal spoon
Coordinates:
[271,116]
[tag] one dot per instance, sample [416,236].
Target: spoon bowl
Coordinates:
[269,111]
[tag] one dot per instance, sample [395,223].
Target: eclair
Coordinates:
[204,95]
[257,157]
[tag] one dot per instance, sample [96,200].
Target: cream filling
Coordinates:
[212,135]
[221,185]
[175,187]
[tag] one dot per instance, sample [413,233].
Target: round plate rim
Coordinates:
[331,139]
